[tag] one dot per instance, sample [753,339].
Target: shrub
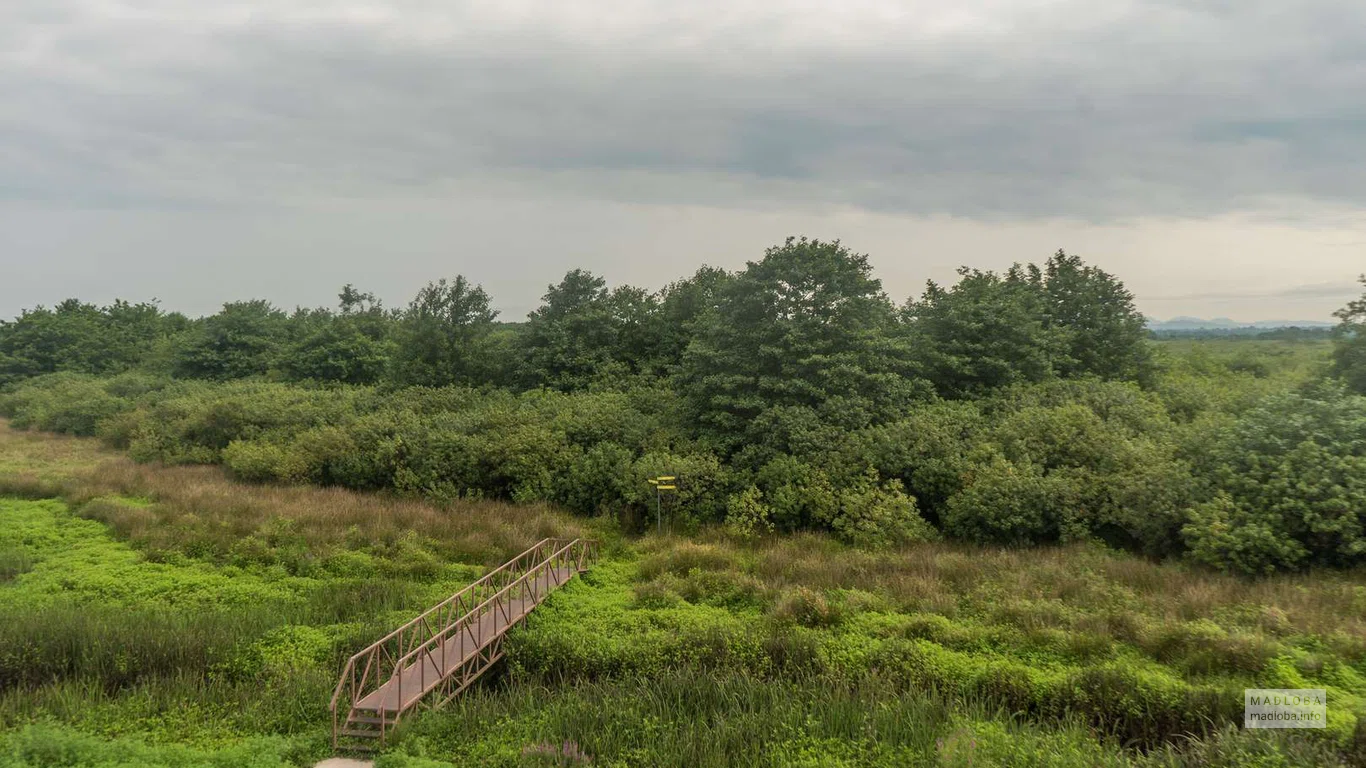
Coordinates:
[873,514]
[1291,476]
[71,403]
[1223,534]
[797,495]
[593,483]
[703,486]
[747,515]
[1009,503]
[805,607]
[262,462]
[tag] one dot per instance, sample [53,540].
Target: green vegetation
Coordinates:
[1018,408]
[1209,461]
[996,525]
[1349,351]
[137,637]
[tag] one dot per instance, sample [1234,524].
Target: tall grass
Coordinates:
[676,719]
[13,562]
[120,646]
[198,510]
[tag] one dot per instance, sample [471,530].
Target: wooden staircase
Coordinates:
[438,654]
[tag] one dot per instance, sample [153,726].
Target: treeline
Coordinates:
[1017,408]
[1065,318]
[1288,333]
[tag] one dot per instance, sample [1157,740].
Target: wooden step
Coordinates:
[360,734]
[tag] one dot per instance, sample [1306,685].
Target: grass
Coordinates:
[200,512]
[675,719]
[169,616]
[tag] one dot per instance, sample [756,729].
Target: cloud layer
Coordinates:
[988,109]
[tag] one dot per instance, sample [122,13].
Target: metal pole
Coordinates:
[659,510]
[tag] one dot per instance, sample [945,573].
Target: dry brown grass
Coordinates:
[201,510]
[1082,588]
[47,457]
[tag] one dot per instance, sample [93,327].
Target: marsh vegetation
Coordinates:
[995,525]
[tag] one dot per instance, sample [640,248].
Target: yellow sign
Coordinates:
[668,487]
[667,478]
[652,481]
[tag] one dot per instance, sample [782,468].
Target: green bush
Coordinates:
[873,514]
[1008,503]
[1291,477]
[63,402]
[1205,464]
[262,462]
[1222,534]
[747,515]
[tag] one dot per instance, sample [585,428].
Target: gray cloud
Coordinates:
[1000,108]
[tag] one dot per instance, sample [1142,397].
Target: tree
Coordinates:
[682,306]
[1106,336]
[637,329]
[47,340]
[245,339]
[583,333]
[81,337]
[1030,324]
[799,340]
[987,331]
[1349,344]
[443,337]
[351,346]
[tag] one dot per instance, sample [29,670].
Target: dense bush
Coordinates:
[1291,482]
[1018,408]
[1274,486]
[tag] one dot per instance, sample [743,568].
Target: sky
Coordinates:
[1210,153]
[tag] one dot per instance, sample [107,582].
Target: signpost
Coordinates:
[662,483]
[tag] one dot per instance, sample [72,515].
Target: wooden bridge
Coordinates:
[438,654]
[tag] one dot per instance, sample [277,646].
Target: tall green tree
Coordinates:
[1105,334]
[584,333]
[1349,344]
[682,306]
[81,337]
[1065,319]
[985,332]
[799,343]
[351,346]
[443,337]
[245,339]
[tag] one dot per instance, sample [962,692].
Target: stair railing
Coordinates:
[388,656]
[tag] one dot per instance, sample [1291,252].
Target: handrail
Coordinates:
[381,666]
[378,645]
[481,582]
[401,663]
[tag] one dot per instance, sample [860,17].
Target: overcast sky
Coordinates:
[1212,153]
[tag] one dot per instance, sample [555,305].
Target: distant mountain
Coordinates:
[1224,323]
